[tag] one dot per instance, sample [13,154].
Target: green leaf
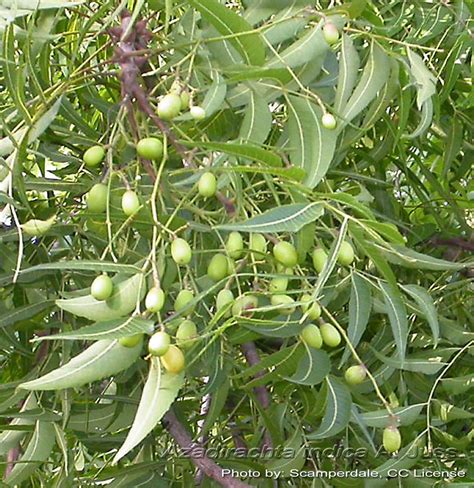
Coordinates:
[425,365]
[215,96]
[158,394]
[24,313]
[93,420]
[241,35]
[84,265]
[338,409]
[311,146]
[313,367]
[348,70]
[456,386]
[257,121]
[104,358]
[246,151]
[218,400]
[424,79]
[426,304]
[360,305]
[311,45]
[397,315]
[287,218]
[286,464]
[37,451]
[111,329]
[404,459]
[374,76]
[125,298]
[404,416]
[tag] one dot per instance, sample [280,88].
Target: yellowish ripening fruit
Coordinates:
[285,253]
[173,360]
[244,306]
[93,156]
[197,113]
[235,245]
[155,299]
[207,185]
[331,335]
[36,227]
[311,335]
[278,285]
[218,267]
[183,300]
[181,251]
[330,33]
[355,375]
[96,199]
[258,244]
[102,287]
[131,341]
[159,343]
[223,299]
[392,439]
[150,148]
[186,334]
[319,259]
[311,308]
[169,106]
[285,303]
[130,203]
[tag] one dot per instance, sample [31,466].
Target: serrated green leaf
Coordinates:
[348,70]
[311,146]
[430,365]
[426,304]
[338,409]
[397,315]
[287,218]
[110,329]
[424,79]
[457,386]
[257,121]
[37,451]
[313,367]
[374,76]
[360,305]
[241,35]
[404,416]
[104,358]
[95,419]
[125,298]
[158,394]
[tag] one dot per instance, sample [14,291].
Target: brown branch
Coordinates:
[204,463]
[263,397]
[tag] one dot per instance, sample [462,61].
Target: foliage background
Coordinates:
[395,178]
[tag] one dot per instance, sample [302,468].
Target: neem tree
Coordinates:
[240,225]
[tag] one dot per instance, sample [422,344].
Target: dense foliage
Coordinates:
[235,235]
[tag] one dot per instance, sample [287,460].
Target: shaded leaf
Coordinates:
[313,367]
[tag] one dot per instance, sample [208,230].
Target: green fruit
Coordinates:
[312,309]
[97,198]
[285,253]
[218,267]
[278,285]
[150,148]
[186,333]
[131,341]
[234,245]
[285,302]
[102,287]
[35,227]
[159,343]
[331,335]
[392,439]
[169,106]
[130,203]
[330,33]
[258,243]
[173,360]
[207,185]
[355,375]
[182,301]
[319,259]
[181,251]
[197,113]
[93,156]
[345,256]
[244,306]
[224,297]
[184,97]
[155,299]
[311,335]
[329,121]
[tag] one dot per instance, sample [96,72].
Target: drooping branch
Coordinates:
[203,463]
